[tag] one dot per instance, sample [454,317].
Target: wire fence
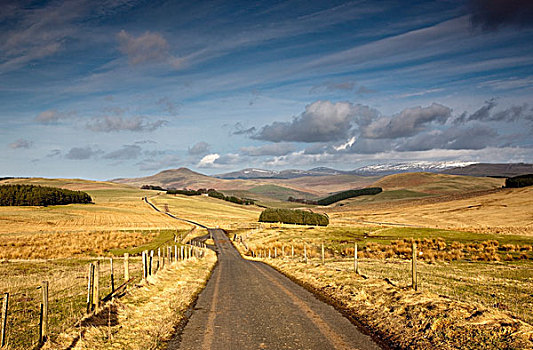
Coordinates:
[41,300]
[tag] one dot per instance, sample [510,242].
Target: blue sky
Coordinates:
[118,88]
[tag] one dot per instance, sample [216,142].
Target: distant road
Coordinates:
[248,305]
[172,216]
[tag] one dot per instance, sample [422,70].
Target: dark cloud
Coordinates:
[369,146]
[21,143]
[146,48]
[492,14]
[475,137]
[115,123]
[409,122]
[82,153]
[125,152]
[487,113]
[274,149]
[239,129]
[199,148]
[322,121]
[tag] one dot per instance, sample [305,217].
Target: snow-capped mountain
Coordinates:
[254,173]
[376,169]
[394,168]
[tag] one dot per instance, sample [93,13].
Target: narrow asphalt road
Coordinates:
[249,305]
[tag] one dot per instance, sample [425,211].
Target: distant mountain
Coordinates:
[254,173]
[411,167]
[491,169]
[174,178]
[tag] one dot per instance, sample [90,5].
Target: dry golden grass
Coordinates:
[116,207]
[146,318]
[409,319]
[70,244]
[206,210]
[509,211]
[118,219]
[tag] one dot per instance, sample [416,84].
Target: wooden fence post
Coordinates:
[151,259]
[126,267]
[158,258]
[355,261]
[413,270]
[90,287]
[4,320]
[275,252]
[323,258]
[176,253]
[143,256]
[182,253]
[43,321]
[169,252]
[96,288]
[112,275]
[292,250]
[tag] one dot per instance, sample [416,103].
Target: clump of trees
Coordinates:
[212,193]
[293,216]
[40,195]
[349,194]
[302,200]
[519,181]
[152,187]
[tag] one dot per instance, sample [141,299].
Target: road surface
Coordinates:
[249,305]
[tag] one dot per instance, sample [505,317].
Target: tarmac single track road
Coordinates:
[249,305]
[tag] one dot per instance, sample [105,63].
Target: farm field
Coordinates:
[506,211]
[207,210]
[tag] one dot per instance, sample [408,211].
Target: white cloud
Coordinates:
[346,145]
[208,161]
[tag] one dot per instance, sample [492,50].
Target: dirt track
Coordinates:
[248,305]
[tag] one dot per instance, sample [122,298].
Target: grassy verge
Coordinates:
[147,316]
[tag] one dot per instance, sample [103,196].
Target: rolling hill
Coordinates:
[490,169]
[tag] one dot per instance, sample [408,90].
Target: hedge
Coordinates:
[293,216]
[349,194]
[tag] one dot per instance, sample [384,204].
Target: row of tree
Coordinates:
[349,194]
[40,195]
[338,196]
[519,181]
[212,193]
[293,216]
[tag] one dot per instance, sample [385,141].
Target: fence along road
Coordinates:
[248,305]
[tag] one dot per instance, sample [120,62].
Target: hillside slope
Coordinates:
[437,183]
